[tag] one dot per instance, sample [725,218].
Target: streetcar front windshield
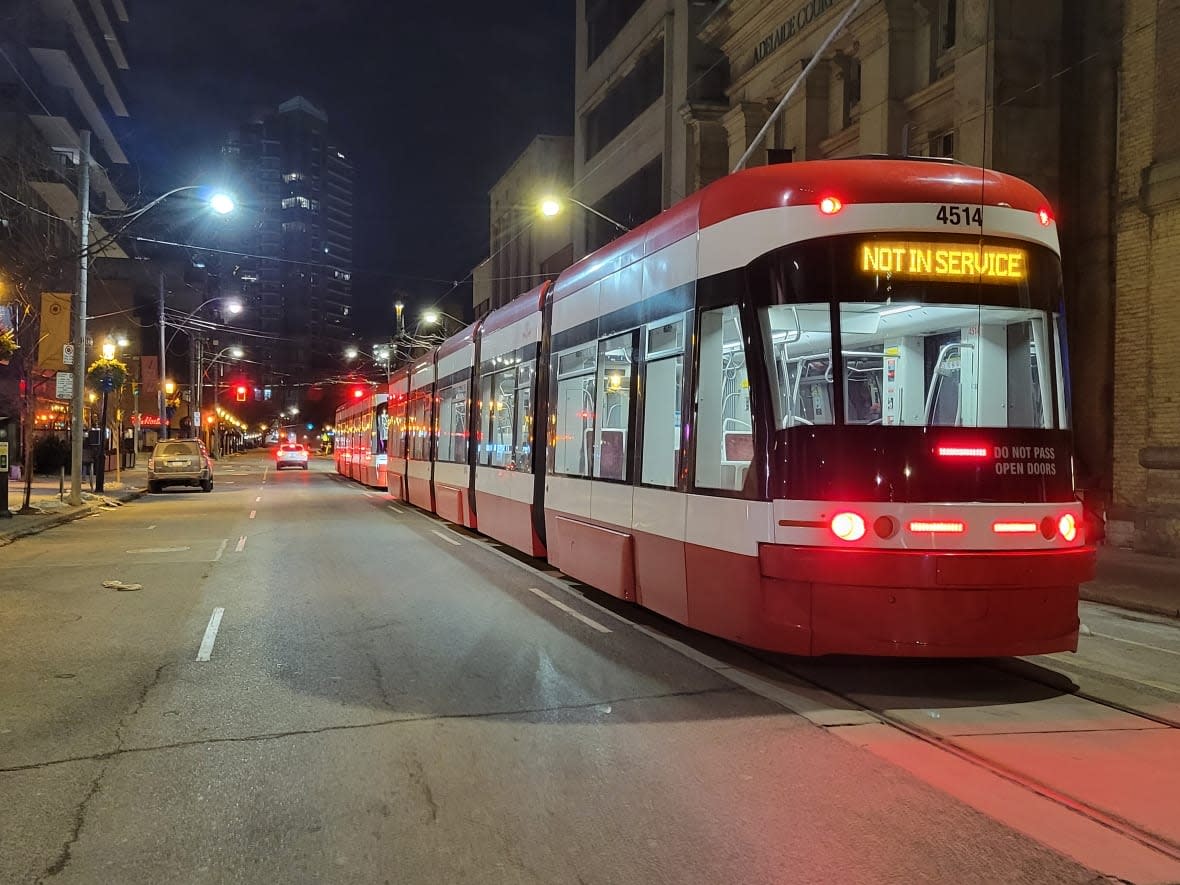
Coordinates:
[931,333]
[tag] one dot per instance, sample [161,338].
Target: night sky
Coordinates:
[431,102]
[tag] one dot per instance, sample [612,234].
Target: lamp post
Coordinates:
[235,352]
[552,206]
[220,203]
[100,458]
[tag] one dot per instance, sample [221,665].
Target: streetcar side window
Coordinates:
[663,385]
[612,432]
[485,419]
[381,426]
[573,410]
[525,377]
[724,429]
[397,430]
[420,427]
[503,417]
[452,424]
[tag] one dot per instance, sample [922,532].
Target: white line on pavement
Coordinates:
[395,510]
[221,549]
[589,622]
[241,544]
[210,635]
[446,538]
[1166,651]
[253,513]
[158,550]
[150,527]
[259,498]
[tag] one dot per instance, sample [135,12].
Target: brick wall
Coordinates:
[1146,508]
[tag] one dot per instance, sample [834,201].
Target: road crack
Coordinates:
[66,854]
[364,726]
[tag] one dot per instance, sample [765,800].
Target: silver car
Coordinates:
[180,462]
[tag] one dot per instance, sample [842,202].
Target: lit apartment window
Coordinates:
[292,176]
[296,203]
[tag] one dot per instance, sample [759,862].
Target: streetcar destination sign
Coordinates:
[942,261]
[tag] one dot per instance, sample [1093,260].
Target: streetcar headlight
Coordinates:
[848,526]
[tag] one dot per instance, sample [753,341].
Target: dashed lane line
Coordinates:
[210,635]
[241,544]
[557,603]
[221,549]
[395,510]
[447,538]
[253,513]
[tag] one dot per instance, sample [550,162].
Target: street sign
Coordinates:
[4,458]
[67,354]
[65,385]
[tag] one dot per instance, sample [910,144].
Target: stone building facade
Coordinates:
[1146,506]
[525,248]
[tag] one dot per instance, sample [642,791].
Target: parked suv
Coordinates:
[180,462]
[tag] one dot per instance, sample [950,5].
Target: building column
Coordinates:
[742,123]
[708,144]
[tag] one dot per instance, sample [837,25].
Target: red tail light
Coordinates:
[1068,526]
[962,451]
[1016,528]
[848,526]
[1045,217]
[940,527]
[830,205]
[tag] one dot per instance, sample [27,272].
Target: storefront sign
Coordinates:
[945,262]
[803,16]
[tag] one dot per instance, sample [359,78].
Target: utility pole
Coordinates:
[77,431]
[199,375]
[163,397]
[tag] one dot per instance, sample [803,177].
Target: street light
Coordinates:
[551,206]
[431,317]
[220,203]
[351,353]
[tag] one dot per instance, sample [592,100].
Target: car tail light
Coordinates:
[1016,528]
[1068,526]
[151,463]
[937,527]
[848,526]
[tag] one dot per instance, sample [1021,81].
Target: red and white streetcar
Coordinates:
[815,408]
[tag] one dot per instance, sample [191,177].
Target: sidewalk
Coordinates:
[1125,579]
[49,509]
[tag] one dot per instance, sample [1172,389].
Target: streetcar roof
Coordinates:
[864,181]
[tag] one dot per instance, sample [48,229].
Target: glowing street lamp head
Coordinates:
[430,317]
[550,206]
[108,350]
[236,352]
[222,204]
[351,353]
[233,306]
[170,387]
[123,341]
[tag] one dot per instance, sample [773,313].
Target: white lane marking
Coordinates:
[241,544]
[370,494]
[1166,651]
[150,527]
[395,510]
[258,499]
[253,513]
[210,635]
[158,550]
[221,549]
[557,603]
[447,539]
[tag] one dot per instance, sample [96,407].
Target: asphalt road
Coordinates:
[387,700]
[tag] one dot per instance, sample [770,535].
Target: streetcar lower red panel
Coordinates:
[923,604]
[450,503]
[509,522]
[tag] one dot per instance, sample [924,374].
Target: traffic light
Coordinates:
[240,393]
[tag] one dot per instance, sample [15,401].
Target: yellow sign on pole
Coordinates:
[55,338]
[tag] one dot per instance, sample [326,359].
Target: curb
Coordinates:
[64,517]
[1123,602]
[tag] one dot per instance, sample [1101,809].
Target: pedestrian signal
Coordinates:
[241,392]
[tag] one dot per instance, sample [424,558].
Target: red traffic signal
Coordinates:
[240,392]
